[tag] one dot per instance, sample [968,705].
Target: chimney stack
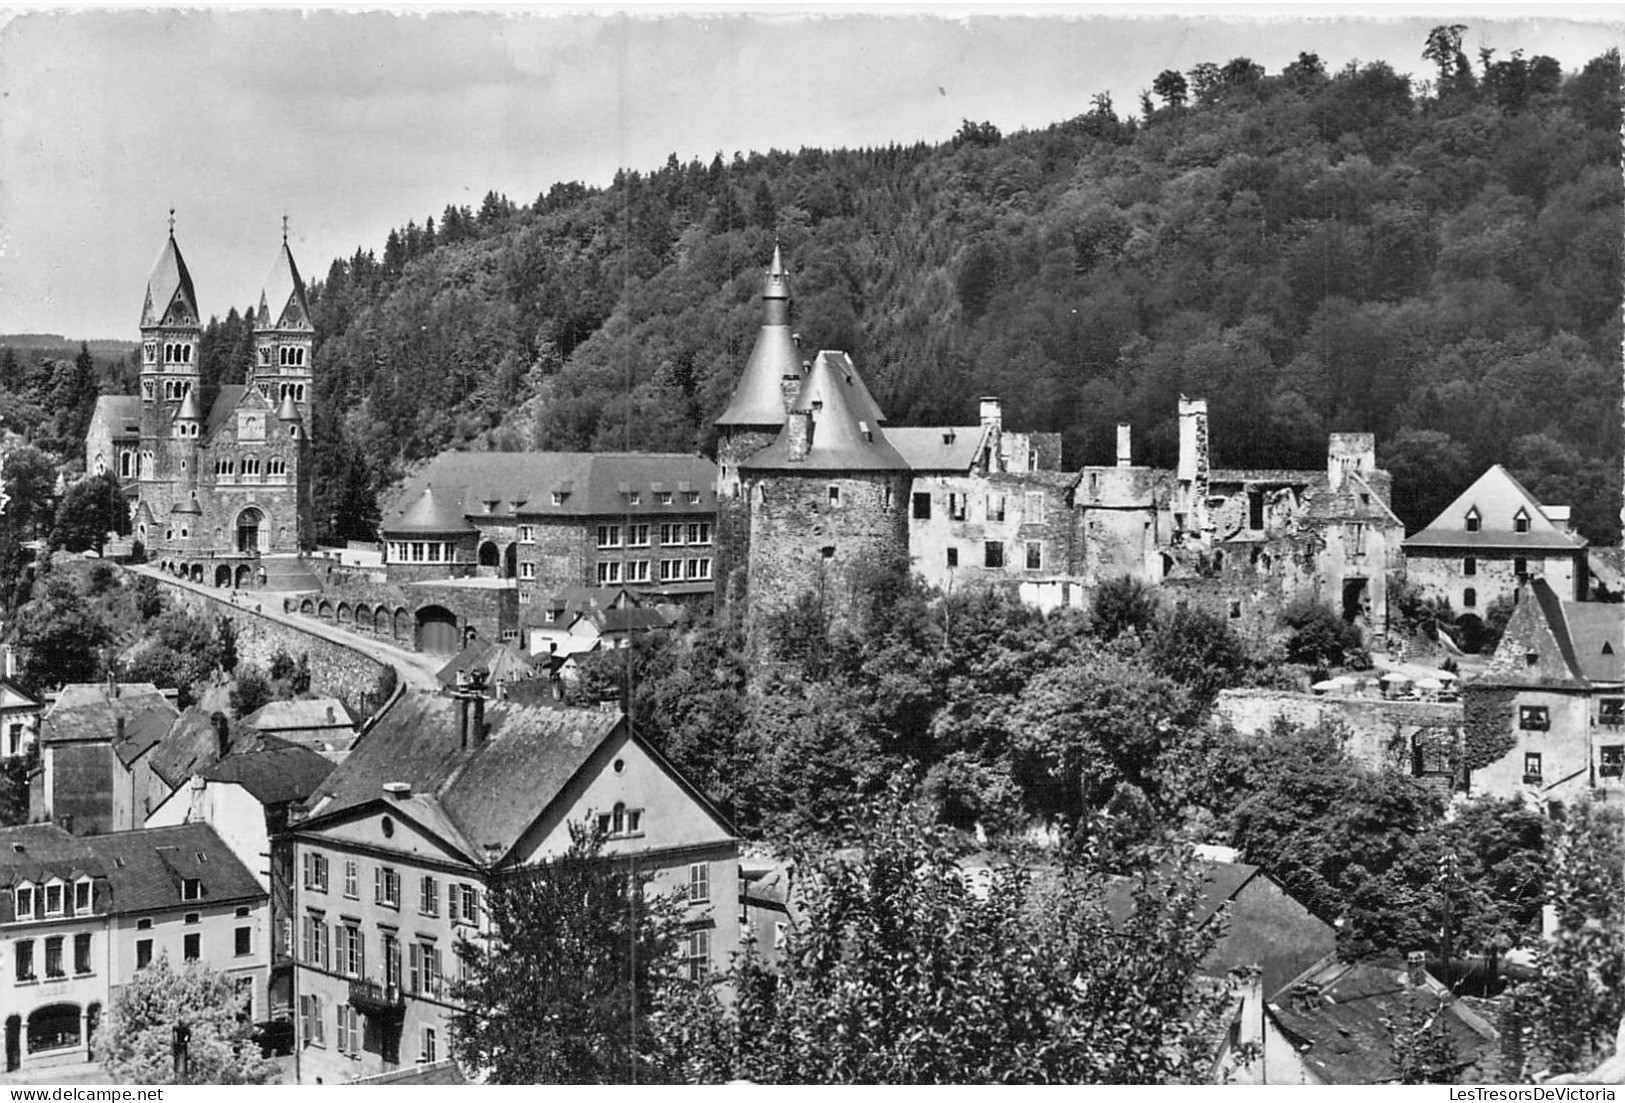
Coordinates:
[118,729]
[798,434]
[331,719]
[461,697]
[1125,457]
[222,734]
[992,412]
[789,387]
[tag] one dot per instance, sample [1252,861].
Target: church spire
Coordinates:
[774,367]
[170,298]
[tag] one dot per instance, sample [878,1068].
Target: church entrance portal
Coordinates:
[248,529]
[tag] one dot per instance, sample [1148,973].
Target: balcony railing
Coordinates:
[1531,779]
[371,998]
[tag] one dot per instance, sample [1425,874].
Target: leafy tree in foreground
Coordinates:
[897,972]
[90,510]
[59,636]
[1422,1048]
[561,989]
[135,1045]
[1567,1018]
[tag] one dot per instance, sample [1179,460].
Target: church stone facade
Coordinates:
[221,474]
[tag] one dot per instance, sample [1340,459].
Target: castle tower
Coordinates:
[170,338]
[828,500]
[284,339]
[753,419]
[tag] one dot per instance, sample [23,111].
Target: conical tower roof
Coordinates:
[288,411]
[845,433]
[170,297]
[282,302]
[434,511]
[758,398]
[191,408]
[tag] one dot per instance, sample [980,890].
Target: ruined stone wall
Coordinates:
[1381,732]
[800,543]
[949,548]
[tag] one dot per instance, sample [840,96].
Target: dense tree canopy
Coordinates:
[135,1045]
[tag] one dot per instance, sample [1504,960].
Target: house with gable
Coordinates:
[249,795]
[1490,540]
[444,797]
[1552,701]
[19,720]
[94,741]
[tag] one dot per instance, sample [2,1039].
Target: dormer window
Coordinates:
[633,498]
[81,896]
[558,497]
[1472,520]
[191,888]
[53,898]
[1520,521]
[25,902]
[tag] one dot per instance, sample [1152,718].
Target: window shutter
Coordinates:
[304,1018]
[472,905]
[304,865]
[454,894]
[378,884]
[415,958]
[327,944]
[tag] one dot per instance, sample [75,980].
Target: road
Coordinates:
[416,670]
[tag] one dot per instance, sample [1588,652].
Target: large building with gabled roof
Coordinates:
[1493,538]
[220,475]
[445,797]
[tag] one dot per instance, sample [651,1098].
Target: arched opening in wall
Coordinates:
[325,610]
[307,607]
[245,576]
[249,523]
[403,625]
[381,621]
[510,562]
[1167,564]
[490,555]
[14,1042]
[1356,600]
[55,1026]
[437,631]
[197,573]
[363,617]
[346,614]
[222,576]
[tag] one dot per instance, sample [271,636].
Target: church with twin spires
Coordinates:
[220,476]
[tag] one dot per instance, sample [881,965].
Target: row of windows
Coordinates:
[347,1032]
[993,555]
[662,497]
[342,948]
[637,536]
[993,506]
[227,467]
[35,901]
[55,966]
[611,572]
[1520,566]
[462,900]
[287,355]
[242,942]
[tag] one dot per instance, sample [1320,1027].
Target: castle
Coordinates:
[220,474]
[816,494]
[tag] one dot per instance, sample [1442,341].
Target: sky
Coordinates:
[351,123]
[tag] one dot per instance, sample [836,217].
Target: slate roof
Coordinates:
[39,851]
[522,484]
[190,746]
[1497,496]
[272,770]
[226,400]
[500,662]
[146,867]
[846,433]
[1576,641]
[84,712]
[1347,1041]
[121,413]
[12,696]
[169,281]
[301,715]
[1221,881]
[282,302]
[631,619]
[488,792]
[950,449]
[758,397]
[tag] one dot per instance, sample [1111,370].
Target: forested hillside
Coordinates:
[1436,261]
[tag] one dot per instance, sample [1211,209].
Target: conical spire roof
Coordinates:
[170,297]
[282,302]
[758,398]
[845,433]
[191,409]
[288,411]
